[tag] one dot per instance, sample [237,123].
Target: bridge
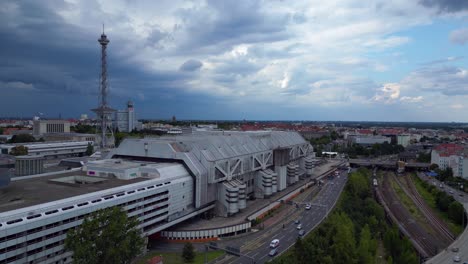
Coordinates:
[387,164]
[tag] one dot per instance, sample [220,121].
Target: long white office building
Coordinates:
[161,181]
[46,149]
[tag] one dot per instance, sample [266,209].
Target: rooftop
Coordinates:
[29,192]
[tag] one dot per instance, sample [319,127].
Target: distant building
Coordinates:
[50,149]
[71,137]
[368,140]
[125,120]
[451,156]
[41,127]
[403,140]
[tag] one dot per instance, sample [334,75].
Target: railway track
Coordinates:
[434,220]
[425,243]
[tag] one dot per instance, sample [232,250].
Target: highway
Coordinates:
[257,247]
[461,244]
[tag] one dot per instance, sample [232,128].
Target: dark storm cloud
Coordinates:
[446,6]
[223,24]
[191,65]
[241,67]
[59,61]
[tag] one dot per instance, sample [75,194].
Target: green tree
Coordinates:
[119,137]
[89,149]
[365,248]
[107,236]
[19,151]
[433,166]
[22,138]
[456,212]
[424,157]
[188,253]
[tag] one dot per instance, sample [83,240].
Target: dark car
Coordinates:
[301,233]
[273,252]
[297,221]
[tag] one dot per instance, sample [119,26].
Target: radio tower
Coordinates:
[104,111]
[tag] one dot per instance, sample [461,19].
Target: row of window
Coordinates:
[13,259]
[107,197]
[55,224]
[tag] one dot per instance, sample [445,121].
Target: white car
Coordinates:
[274,243]
[299,226]
[308,207]
[456,258]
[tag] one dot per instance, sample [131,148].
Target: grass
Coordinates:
[406,201]
[176,258]
[430,200]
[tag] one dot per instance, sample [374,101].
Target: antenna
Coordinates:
[104,112]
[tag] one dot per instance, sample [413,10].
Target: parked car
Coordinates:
[274,243]
[299,226]
[308,207]
[301,233]
[297,221]
[456,258]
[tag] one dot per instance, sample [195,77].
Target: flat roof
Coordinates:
[35,191]
[114,164]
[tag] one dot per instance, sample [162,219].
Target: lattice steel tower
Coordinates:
[104,112]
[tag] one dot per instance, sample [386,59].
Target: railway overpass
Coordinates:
[386,164]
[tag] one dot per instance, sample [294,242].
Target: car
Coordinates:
[454,249]
[274,243]
[299,226]
[301,233]
[297,221]
[456,258]
[451,191]
[461,194]
[273,252]
[308,207]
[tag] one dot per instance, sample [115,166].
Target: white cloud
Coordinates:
[389,93]
[459,36]
[408,99]
[20,86]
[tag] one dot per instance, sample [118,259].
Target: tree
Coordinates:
[455,212]
[22,138]
[365,249]
[89,149]
[107,236]
[188,253]
[19,151]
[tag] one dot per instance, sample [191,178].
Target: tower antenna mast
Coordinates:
[104,111]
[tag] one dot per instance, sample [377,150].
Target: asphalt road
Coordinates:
[461,244]
[322,204]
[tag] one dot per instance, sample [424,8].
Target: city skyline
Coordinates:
[340,60]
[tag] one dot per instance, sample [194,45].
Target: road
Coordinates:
[257,248]
[461,244]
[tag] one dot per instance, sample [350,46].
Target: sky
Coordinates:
[232,60]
